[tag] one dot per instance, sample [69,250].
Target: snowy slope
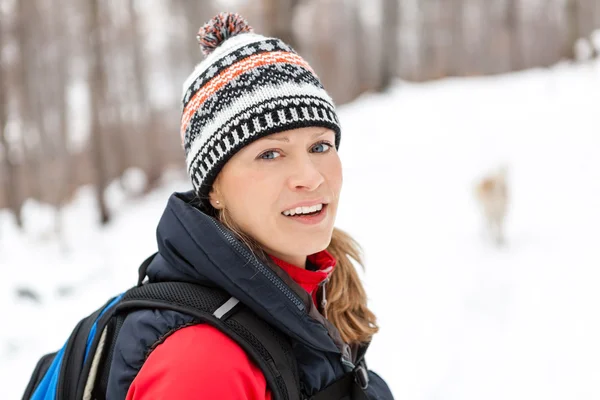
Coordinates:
[459,319]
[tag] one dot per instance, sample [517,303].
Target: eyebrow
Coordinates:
[287,140]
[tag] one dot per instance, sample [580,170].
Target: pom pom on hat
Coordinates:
[219,29]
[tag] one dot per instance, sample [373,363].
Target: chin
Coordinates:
[301,243]
[313,245]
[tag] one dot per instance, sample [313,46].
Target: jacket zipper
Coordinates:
[324,296]
[260,267]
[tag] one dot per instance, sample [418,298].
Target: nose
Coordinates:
[305,175]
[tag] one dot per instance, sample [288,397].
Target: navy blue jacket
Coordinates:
[193,247]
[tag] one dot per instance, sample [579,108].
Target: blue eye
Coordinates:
[322,147]
[269,155]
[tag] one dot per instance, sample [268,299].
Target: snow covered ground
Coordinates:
[459,318]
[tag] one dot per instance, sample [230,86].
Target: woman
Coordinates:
[261,138]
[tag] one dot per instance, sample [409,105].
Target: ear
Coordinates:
[215,198]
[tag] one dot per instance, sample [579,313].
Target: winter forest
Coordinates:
[449,108]
[86,83]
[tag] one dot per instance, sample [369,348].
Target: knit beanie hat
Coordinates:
[247,87]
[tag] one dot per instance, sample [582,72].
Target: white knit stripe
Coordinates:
[228,46]
[245,102]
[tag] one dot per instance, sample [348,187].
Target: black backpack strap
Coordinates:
[101,381]
[71,371]
[350,387]
[144,268]
[273,348]
[338,390]
[38,374]
[267,347]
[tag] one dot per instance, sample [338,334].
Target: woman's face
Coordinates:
[283,190]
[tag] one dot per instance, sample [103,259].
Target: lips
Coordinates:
[304,206]
[309,219]
[306,210]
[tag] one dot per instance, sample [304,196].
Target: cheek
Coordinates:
[250,198]
[334,174]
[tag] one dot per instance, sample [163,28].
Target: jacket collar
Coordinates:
[319,267]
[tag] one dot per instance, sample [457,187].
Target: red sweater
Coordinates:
[201,362]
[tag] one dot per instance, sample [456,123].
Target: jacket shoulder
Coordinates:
[199,360]
[140,333]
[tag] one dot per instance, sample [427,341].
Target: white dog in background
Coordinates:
[491,193]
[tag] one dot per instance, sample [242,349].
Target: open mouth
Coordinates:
[305,211]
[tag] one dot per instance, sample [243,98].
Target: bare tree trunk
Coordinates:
[457,44]
[573,27]
[39,74]
[427,55]
[358,38]
[10,186]
[27,104]
[596,20]
[513,28]
[389,59]
[64,182]
[446,47]
[97,82]
[117,99]
[150,136]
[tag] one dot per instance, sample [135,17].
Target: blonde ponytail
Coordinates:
[347,308]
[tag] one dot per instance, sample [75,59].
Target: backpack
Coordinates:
[80,369]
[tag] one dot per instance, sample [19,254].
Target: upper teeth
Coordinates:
[303,210]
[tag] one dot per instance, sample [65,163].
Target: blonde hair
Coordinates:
[347,300]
